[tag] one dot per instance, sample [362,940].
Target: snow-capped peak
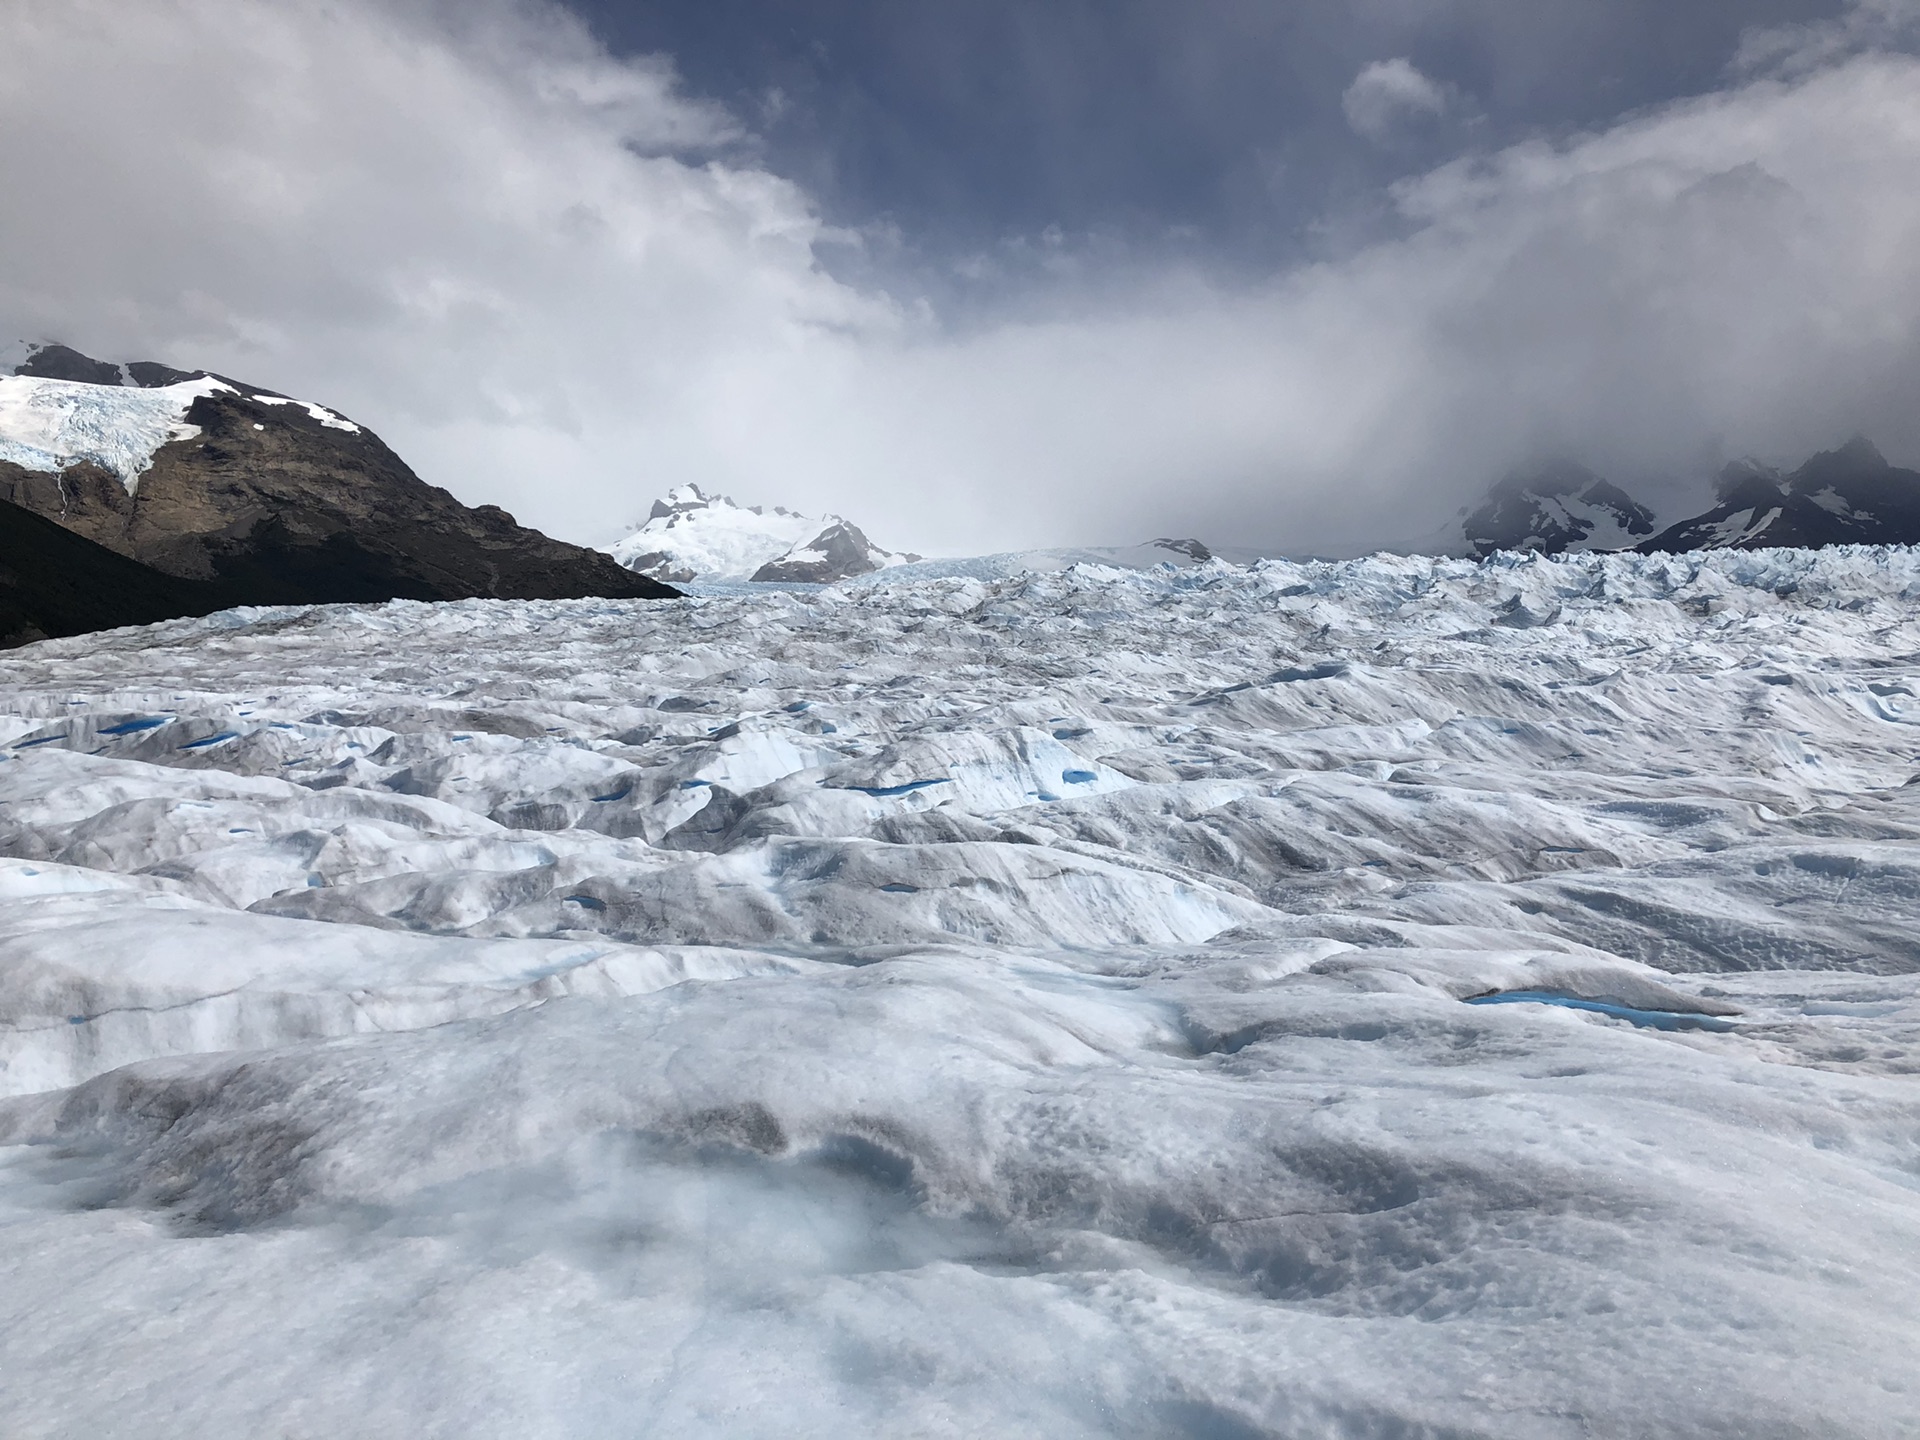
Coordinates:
[1556,507]
[691,535]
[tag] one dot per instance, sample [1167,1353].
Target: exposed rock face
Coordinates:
[1848,496]
[1558,507]
[59,362]
[280,502]
[839,552]
[1839,497]
[54,582]
[1194,550]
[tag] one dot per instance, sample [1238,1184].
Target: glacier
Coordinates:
[51,424]
[977,1005]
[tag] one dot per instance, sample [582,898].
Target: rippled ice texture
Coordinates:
[958,1008]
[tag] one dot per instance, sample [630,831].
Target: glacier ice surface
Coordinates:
[976,1005]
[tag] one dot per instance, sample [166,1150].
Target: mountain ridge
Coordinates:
[281,500]
[1850,495]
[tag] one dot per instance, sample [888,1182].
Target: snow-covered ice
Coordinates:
[968,1006]
[52,424]
[1179,554]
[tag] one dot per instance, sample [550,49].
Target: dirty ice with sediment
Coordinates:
[1393,997]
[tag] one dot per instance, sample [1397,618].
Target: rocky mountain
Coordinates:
[691,535]
[1557,507]
[1849,496]
[838,552]
[272,499]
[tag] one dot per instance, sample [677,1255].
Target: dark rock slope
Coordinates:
[53,582]
[278,505]
[1849,496]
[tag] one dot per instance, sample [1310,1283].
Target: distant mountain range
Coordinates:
[254,497]
[1849,496]
[692,535]
[136,492]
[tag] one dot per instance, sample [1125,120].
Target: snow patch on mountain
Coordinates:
[326,417]
[48,425]
[1556,508]
[691,535]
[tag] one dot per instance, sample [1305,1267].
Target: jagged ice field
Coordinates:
[1395,998]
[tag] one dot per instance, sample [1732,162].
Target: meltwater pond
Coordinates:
[976,1005]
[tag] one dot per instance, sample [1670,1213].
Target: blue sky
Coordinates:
[990,275]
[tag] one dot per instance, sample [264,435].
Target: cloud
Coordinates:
[1795,49]
[555,281]
[1388,93]
[508,251]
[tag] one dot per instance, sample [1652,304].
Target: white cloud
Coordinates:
[519,261]
[1795,49]
[1387,93]
[467,231]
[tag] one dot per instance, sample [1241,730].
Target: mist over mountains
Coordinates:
[1725,263]
[1847,496]
[219,493]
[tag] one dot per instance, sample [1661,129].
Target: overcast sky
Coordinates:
[994,273]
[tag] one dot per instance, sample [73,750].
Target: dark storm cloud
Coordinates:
[1213,125]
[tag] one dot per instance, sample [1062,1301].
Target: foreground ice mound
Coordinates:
[1390,997]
